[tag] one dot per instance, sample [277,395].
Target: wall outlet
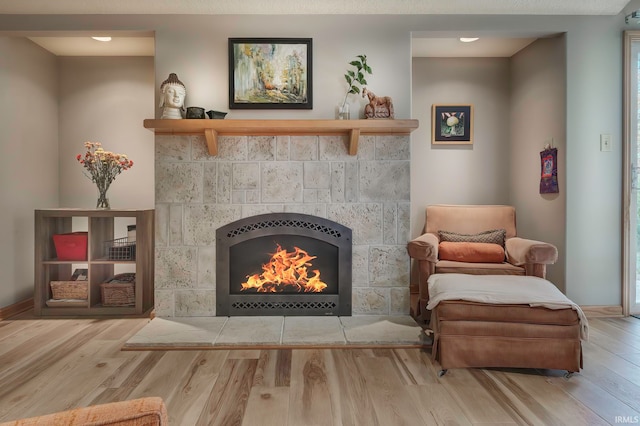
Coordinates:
[605,143]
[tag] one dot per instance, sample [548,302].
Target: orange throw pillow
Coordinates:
[471,252]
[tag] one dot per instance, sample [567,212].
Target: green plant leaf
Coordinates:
[356,77]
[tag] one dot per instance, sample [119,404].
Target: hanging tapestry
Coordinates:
[549,171]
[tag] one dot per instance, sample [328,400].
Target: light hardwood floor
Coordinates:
[55,364]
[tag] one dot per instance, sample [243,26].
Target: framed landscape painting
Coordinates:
[452,124]
[270,73]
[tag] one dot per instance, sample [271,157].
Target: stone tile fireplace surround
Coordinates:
[196,193]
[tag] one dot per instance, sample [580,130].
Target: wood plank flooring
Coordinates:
[48,365]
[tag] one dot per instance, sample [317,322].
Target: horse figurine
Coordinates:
[378,106]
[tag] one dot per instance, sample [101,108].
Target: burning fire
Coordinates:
[286,269]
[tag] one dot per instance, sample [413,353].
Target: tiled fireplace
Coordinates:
[197,193]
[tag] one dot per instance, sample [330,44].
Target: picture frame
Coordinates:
[270,73]
[452,124]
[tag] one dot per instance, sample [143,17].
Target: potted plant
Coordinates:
[355,79]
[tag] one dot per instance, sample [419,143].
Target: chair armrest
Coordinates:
[425,247]
[521,251]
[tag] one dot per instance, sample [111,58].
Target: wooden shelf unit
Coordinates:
[100,224]
[214,128]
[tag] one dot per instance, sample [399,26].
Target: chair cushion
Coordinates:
[493,236]
[470,219]
[449,266]
[471,252]
[144,411]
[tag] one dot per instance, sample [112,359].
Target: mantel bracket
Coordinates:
[354,135]
[211,136]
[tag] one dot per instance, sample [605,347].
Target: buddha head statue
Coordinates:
[172,99]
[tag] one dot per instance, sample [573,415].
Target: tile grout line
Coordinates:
[342,328]
[215,340]
[282,330]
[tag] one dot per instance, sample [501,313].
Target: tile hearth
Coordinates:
[277,331]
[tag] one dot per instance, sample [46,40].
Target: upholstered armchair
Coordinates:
[464,239]
[145,411]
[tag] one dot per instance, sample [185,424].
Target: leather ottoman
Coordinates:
[472,334]
[504,321]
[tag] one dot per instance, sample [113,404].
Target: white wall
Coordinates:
[106,99]
[538,116]
[594,178]
[29,152]
[195,47]
[198,54]
[460,174]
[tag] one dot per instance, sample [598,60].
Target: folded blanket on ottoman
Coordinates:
[502,289]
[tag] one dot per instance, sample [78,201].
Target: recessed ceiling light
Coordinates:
[102,38]
[468,39]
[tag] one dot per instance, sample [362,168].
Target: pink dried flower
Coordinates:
[102,166]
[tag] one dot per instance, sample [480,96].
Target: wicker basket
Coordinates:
[118,294]
[69,290]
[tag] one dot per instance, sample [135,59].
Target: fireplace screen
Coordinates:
[283,264]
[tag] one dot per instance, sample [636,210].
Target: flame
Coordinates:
[286,269]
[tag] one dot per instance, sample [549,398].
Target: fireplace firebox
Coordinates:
[283,264]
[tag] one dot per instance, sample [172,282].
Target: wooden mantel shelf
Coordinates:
[214,128]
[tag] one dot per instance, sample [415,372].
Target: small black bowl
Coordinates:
[216,114]
[195,112]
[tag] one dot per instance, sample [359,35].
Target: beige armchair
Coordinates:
[522,256]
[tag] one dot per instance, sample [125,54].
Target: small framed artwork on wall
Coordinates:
[270,73]
[452,124]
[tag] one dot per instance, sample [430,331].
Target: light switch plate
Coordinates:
[605,143]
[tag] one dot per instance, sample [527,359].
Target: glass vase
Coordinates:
[343,112]
[103,201]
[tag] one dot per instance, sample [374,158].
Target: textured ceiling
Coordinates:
[453,48]
[393,7]
[442,47]
[68,45]
[86,46]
